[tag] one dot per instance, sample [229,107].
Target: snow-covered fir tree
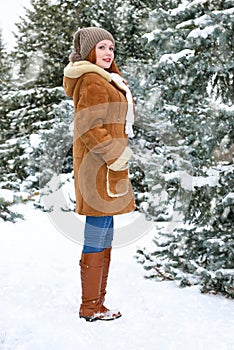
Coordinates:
[125,20]
[29,121]
[44,40]
[7,200]
[33,108]
[190,82]
[4,85]
[4,66]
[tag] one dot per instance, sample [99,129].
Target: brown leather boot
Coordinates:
[91,276]
[92,265]
[106,265]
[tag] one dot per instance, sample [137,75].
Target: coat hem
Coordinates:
[105,213]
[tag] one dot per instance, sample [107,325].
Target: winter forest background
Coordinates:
[177,57]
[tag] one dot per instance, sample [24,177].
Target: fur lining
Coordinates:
[111,194]
[77,69]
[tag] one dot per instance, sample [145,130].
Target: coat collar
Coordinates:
[77,69]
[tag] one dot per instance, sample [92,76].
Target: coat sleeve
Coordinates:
[90,122]
[69,85]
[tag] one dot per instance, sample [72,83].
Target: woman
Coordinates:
[103,118]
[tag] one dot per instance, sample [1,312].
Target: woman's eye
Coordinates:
[103,48]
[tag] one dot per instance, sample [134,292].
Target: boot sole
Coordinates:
[109,319]
[93,319]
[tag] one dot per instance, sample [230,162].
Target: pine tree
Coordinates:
[44,41]
[6,202]
[5,75]
[4,67]
[37,111]
[4,87]
[125,20]
[191,86]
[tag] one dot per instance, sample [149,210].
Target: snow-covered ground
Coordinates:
[40,295]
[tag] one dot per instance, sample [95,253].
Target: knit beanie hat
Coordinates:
[85,39]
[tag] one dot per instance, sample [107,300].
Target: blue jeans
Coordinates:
[98,233]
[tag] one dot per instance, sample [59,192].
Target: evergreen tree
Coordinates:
[5,75]
[6,200]
[190,88]
[4,67]
[28,119]
[44,41]
[32,108]
[125,20]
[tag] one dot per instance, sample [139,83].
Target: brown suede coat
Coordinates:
[100,109]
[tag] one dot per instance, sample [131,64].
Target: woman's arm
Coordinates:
[90,121]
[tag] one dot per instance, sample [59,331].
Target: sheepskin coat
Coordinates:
[100,141]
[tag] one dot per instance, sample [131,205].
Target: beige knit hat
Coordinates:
[86,39]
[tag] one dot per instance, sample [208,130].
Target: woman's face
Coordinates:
[104,54]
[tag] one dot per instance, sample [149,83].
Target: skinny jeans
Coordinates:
[98,233]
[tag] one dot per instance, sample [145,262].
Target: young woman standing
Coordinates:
[103,118]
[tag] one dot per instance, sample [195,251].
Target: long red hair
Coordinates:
[92,58]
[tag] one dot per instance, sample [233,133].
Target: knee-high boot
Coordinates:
[92,266]
[91,269]
[106,265]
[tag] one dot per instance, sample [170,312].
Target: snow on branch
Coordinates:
[186,5]
[174,57]
[204,33]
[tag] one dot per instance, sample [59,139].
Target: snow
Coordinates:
[35,140]
[40,295]
[186,5]
[174,57]
[229,11]
[150,36]
[189,4]
[204,33]
[229,198]
[216,240]
[189,182]
[226,108]
[7,195]
[180,8]
[202,20]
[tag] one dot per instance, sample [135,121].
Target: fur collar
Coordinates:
[77,69]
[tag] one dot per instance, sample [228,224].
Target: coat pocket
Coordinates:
[117,182]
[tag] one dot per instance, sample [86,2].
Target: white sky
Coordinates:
[10,10]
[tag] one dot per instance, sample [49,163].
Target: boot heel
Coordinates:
[89,318]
